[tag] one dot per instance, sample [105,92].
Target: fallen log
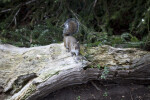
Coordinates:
[33,73]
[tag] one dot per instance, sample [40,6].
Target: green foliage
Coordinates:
[97,38]
[39,35]
[4,1]
[116,40]
[125,40]
[105,94]
[78,98]
[39,22]
[105,73]
[92,66]
[98,66]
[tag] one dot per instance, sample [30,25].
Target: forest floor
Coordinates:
[96,91]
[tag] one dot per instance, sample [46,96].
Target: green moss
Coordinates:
[30,90]
[47,75]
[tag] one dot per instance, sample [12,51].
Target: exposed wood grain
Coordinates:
[79,76]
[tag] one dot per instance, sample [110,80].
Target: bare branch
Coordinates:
[14,19]
[29,2]
[94,3]
[6,10]
[26,3]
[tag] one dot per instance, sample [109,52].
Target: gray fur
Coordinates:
[72,45]
[67,27]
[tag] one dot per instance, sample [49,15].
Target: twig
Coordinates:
[94,3]
[95,86]
[27,15]
[131,96]
[74,15]
[29,2]
[77,17]
[5,10]
[26,3]
[14,19]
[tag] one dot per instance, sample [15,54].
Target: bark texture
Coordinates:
[33,73]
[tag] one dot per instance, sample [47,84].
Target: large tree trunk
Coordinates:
[33,73]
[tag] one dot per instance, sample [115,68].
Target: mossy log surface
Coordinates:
[33,73]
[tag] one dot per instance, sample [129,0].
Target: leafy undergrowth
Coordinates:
[119,23]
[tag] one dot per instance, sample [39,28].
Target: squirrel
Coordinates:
[71,26]
[72,45]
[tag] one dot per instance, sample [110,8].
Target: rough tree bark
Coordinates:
[33,73]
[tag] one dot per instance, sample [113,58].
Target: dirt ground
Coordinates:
[96,91]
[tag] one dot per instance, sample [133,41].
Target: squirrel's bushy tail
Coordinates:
[71,26]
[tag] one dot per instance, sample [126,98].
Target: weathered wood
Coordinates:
[79,76]
[38,71]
